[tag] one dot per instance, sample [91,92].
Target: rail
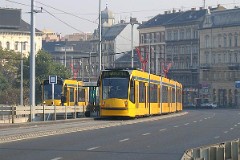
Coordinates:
[229,150]
[12,114]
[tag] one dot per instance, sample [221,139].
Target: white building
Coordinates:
[14,32]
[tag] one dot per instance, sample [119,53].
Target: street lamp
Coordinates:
[132,22]
[21,88]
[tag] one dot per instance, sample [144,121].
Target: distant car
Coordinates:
[209,105]
[214,105]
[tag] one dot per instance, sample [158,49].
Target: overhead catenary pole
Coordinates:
[132,39]
[32,60]
[149,72]
[32,57]
[21,94]
[100,37]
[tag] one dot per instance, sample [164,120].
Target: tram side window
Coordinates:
[81,95]
[132,91]
[179,99]
[153,93]
[173,95]
[164,94]
[142,92]
[71,94]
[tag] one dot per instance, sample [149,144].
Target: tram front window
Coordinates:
[115,88]
[48,91]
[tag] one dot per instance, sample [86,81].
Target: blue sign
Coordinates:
[237,84]
[52,79]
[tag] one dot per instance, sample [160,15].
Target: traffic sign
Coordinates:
[237,84]
[52,79]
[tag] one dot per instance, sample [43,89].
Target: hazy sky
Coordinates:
[56,18]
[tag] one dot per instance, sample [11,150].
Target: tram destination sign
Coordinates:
[109,74]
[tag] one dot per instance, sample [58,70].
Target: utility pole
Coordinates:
[149,72]
[21,94]
[32,57]
[132,39]
[100,37]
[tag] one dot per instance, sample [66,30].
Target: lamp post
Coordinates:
[21,88]
[149,72]
[132,22]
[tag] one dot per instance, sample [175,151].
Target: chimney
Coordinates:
[193,9]
[173,11]
[165,12]
[122,21]
[200,8]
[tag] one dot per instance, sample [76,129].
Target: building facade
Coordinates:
[182,51]
[220,57]
[116,39]
[15,33]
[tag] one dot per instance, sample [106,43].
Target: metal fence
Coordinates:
[13,114]
[229,150]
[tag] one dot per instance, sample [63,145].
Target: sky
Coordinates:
[74,16]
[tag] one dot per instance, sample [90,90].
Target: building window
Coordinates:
[230,40]
[219,58]
[175,35]
[169,35]
[158,37]
[235,57]
[219,40]
[207,41]
[195,34]
[188,34]
[8,45]
[225,41]
[142,38]
[236,40]
[16,45]
[207,57]
[181,34]
[230,58]
[213,58]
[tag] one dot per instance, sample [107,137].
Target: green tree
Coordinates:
[10,75]
[45,66]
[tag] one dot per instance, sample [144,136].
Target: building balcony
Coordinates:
[205,66]
[233,66]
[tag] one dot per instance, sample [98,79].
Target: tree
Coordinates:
[45,66]
[10,75]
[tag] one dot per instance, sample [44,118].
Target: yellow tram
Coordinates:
[132,93]
[67,92]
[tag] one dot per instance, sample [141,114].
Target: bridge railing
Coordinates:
[229,150]
[17,114]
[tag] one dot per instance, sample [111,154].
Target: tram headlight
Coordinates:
[103,103]
[126,103]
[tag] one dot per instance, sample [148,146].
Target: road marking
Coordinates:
[123,140]
[200,120]
[145,134]
[164,129]
[217,137]
[195,121]
[176,126]
[235,125]
[186,124]
[225,132]
[205,118]
[90,149]
[239,123]
[57,158]
[231,128]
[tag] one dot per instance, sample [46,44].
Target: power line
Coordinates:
[66,12]
[62,21]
